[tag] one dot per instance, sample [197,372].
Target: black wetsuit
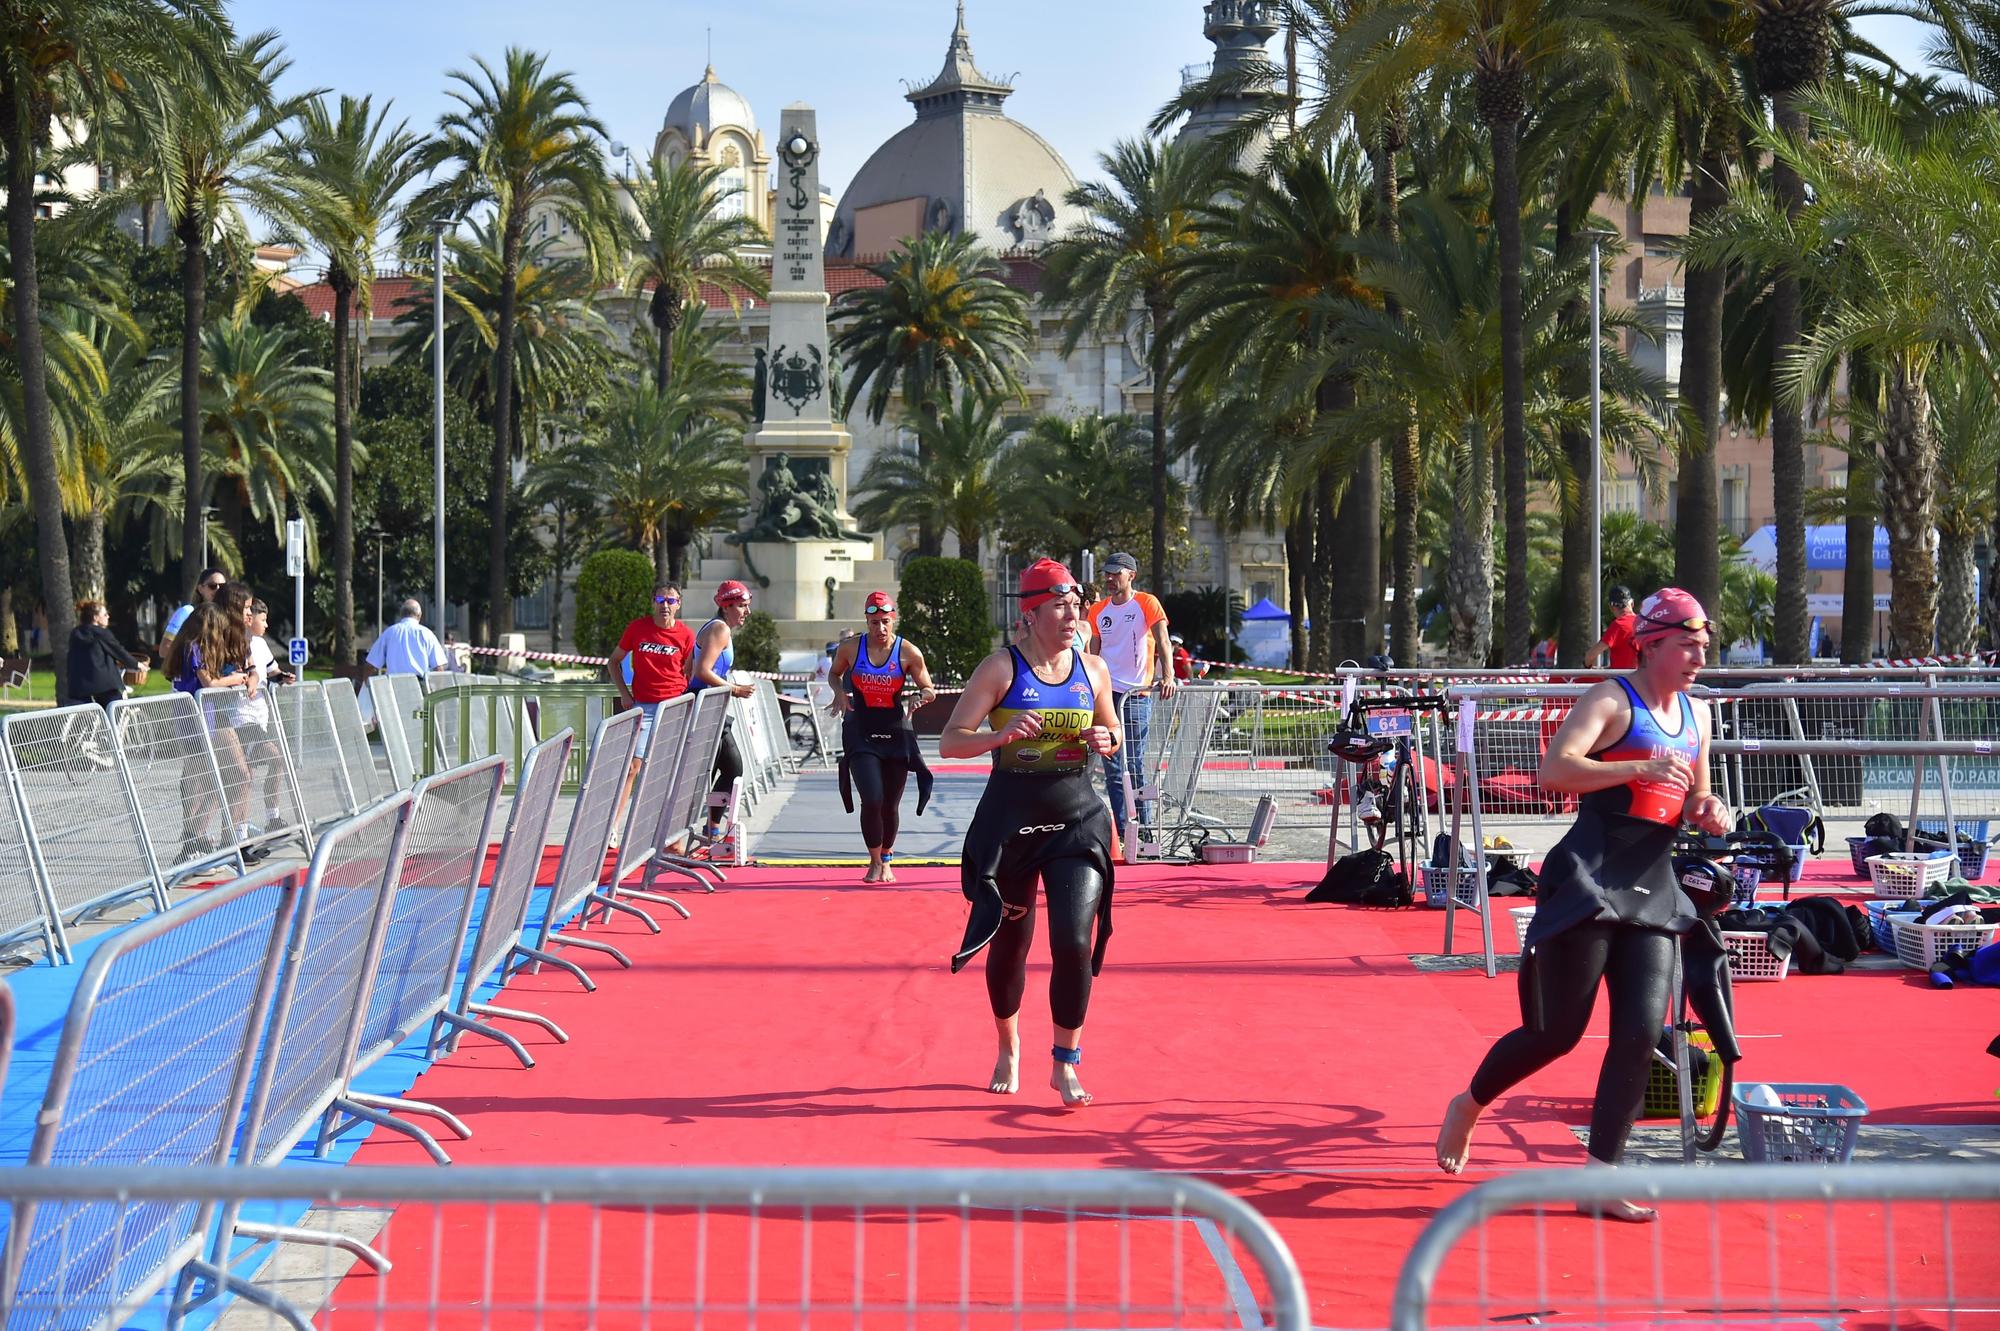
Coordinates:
[1040,819]
[1608,907]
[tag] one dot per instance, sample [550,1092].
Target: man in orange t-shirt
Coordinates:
[1129,630]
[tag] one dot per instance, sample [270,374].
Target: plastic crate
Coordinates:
[1814,1123]
[1438,879]
[1855,845]
[1906,874]
[1882,922]
[1919,946]
[1523,917]
[1973,842]
[1751,958]
[1663,1084]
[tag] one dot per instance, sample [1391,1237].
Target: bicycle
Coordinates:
[1380,734]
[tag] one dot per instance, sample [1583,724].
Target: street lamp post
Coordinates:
[1597,239]
[378,581]
[437,421]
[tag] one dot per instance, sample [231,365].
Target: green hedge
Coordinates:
[613,588]
[944,612]
[756,643]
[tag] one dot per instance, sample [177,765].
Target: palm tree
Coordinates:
[1507,50]
[652,454]
[562,485]
[1079,482]
[1129,255]
[75,56]
[524,144]
[350,167]
[688,239]
[1261,295]
[1967,428]
[212,156]
[267,421]
[950,482]
[123,454]
[943,320]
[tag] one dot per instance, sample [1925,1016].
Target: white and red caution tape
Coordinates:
[572,658]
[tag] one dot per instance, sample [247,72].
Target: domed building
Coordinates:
[963,167]
[712,124]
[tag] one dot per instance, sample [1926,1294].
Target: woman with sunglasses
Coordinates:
[1047,709]
[651,661]
[879,749]
[1636,750]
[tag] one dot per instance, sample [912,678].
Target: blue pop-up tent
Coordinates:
[1266,635]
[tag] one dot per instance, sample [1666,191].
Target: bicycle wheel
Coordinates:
[804,736]
[1407,801]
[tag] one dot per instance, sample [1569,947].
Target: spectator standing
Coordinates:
[1129,630]
[408,647]
[1183,658]
[205,587]
[97,660]
[1618,641]
[650,663]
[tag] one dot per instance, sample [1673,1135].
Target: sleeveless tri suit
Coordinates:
[877,726]
[1040,808]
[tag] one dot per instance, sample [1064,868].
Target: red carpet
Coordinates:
[1290,1052]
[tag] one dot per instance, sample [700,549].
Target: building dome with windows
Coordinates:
[963,166]
[712,124]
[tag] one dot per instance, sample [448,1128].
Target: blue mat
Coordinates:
[42,996]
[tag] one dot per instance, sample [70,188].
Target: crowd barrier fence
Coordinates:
[580,868]
[523,1248]
[683,820]
[1767,1245]
[515,869]
[646,810]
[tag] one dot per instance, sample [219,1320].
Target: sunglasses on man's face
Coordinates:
[666,600]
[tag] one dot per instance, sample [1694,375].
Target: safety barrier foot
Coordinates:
[402,1105]
[688,869]
[250,1293]
[355,1110]
[517,1014]
[462,1024]
[657,898]
[607,903]
[323,1238]
[594,945]
[537,957]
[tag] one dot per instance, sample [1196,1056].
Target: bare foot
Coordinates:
[1629,1212]
[1006,1073]
[1064,1081]
[887,875]
[1454,1144]
[874,874]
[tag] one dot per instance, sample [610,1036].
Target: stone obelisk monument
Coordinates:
[801,544]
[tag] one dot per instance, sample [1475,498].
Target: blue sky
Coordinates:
[1087,72]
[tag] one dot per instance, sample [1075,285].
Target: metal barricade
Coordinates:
[151,1071]
[749,745]
[636,1247]
[29,921]
[306,726]
[687,804]
[191,819]
[364,778]
[1766,1245]
[580,869]
[771,715]
[645,812]
[399,702]
[465,719]
[83,826]
[323,991]
[437,879]
[514,872]
[259,780]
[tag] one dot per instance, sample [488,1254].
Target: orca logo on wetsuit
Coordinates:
[1041,827]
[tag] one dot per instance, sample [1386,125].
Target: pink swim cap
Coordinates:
[1670,610]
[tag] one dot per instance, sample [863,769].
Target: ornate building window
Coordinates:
[734,182]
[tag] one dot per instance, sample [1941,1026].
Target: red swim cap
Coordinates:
[732,593]
[1046,578]
[1670,610]
[879,601]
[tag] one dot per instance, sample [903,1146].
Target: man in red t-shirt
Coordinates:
[1618,640]
[651,662]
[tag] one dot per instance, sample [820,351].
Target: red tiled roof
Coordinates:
[395,293]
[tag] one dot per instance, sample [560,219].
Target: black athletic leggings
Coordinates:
[879,782]
[1637,965]
[728,762]
[1074,888]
